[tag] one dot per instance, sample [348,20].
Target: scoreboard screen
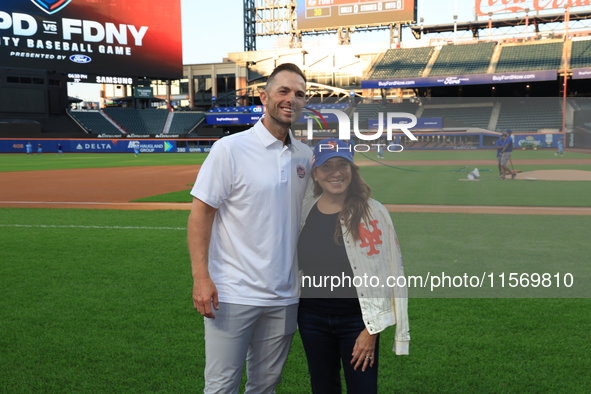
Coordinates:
[111,38]
[331,14]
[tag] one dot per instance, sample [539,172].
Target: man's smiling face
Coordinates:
[284,99]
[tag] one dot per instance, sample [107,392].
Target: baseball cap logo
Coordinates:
[329,148]
[51,6]
[332,145]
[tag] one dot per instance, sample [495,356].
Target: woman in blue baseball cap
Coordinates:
[347,250]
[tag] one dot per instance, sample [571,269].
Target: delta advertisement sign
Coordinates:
[475,79]
[483,7]
[95,146]
[102,37]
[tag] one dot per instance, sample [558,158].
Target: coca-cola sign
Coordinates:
[483,7]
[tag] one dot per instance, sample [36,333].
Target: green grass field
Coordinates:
[468,155]
[99,301]
[440,185]
[22,162]
[93,160]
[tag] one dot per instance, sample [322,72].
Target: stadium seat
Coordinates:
[530,57]
[139,121]
[580,54]
[471,116]
[94,122]
[185,122]
[463,59]
[530,115]
[402,63]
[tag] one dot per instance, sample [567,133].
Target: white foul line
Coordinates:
[96,203]
[491,207]
[93,227]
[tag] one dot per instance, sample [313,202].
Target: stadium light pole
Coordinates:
[527,23]
[455,20]
[564,86]
[490,26]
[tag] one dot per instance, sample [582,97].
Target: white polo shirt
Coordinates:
[257,186]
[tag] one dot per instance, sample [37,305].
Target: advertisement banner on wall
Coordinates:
[232,119]
[536,141]
[521,141]
[89,146]
[422,123]
[476,79]
[581,73]
[533,7]
[102,37]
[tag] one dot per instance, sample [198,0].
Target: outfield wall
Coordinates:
[107,146]
[456,140]
[427,141]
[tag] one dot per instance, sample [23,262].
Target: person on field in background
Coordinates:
[29,148]
[560,150]
[39,149]
[506,156]
[345,233]
[242,237]
[500,143]
[380,151]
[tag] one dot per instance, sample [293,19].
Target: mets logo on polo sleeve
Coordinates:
[51,6]
[301,170]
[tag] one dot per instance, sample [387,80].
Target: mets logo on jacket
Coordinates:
[369,239]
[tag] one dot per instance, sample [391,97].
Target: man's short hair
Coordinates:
[285,67]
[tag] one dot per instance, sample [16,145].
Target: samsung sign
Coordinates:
[107,79]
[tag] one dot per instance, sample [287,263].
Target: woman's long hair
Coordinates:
[355,208]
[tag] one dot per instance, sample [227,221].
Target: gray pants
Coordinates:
[505,158]
[259,335]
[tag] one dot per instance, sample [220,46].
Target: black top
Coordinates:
[320,257]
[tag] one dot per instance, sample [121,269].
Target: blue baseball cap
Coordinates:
[332,147]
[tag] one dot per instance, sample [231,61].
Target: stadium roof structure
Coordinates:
[131,98]
[314,91]
[476,26]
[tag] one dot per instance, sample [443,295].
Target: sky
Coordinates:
[212,29]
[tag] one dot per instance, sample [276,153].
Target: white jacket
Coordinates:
[377,254]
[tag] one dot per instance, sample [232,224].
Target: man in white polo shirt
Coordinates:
[242,237]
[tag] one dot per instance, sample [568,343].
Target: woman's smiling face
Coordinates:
[334,176]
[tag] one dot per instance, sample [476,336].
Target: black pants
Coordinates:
[328,341]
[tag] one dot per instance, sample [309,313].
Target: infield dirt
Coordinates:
[114,188]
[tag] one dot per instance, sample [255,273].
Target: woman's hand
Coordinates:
[363,351]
